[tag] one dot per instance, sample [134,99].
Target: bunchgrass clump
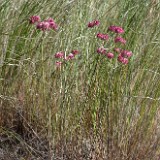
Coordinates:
[59,99]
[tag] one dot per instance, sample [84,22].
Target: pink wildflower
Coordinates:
[119,30]
[125,61]
[70,56]
[97,23]
[116,29]
[101,50]
[43,26]
[59,55]
[58,64]
[122,59]
[75,52]
[52,24]
[49,20]
[120,39]
[112,28]
[110,55]
[34,19]
[126,54]
[103,36]
[93,24]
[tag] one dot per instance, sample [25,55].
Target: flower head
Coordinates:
[70,56]
[47,24]
[43,26]
[97,23]
[59,55]
[101,50]
[125,61]
[120,39]
[119,30]
[103,36]
[110,55]
[39,25]
[116,29]
[122,59]
[93,23]
[75,52]
[34,19]
[58,64]
[49,20]
[52,24]
[126,54]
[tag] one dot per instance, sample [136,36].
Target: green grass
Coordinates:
[91,106]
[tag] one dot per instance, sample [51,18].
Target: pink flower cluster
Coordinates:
[102,36]
[122,59]
[75,52]
[120,39]
[34,19]
[123,55]
[110,55]
[116,29]
[103,51]
[61,55]
[58,64]
[93,23]
[44,25]
[126,53]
